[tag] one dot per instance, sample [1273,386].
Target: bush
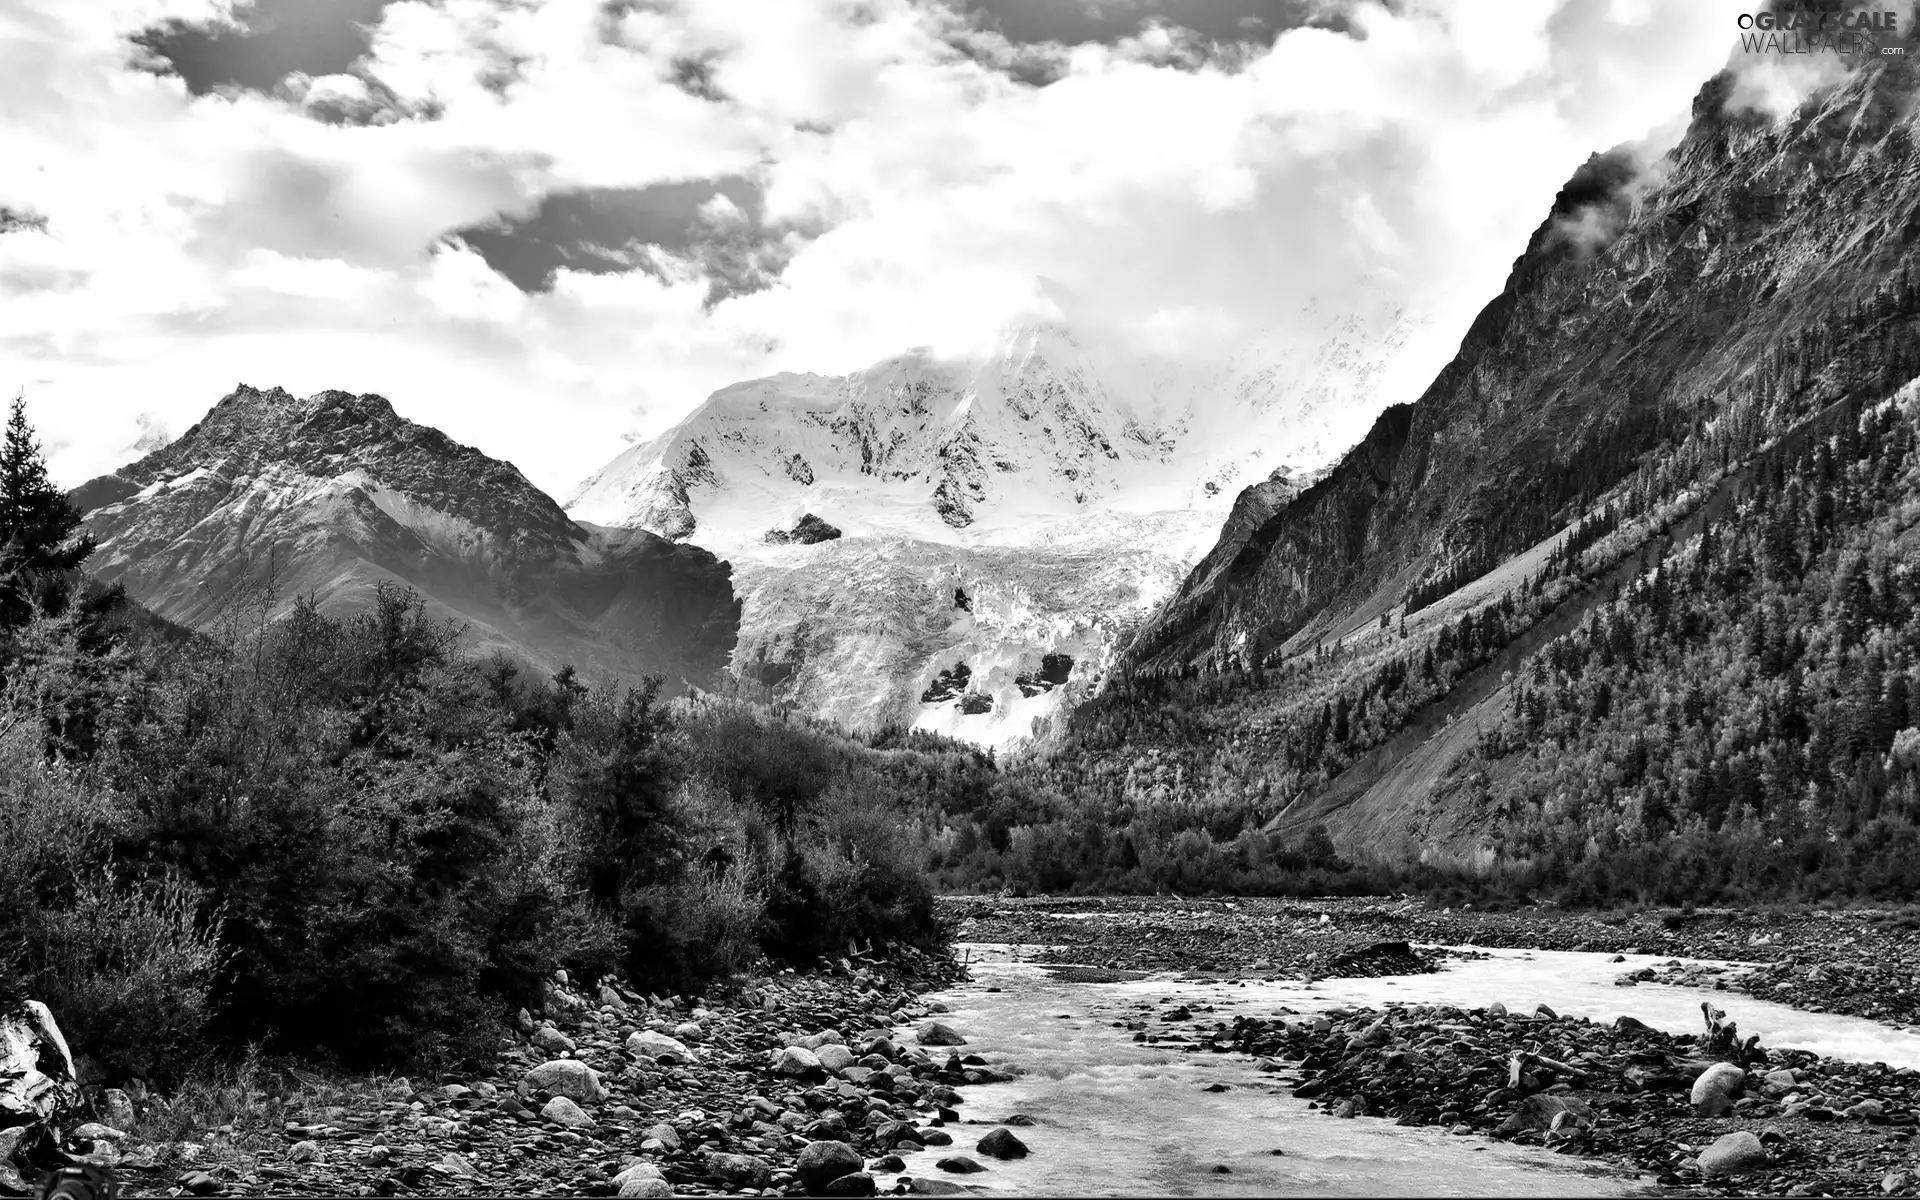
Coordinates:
[126,971]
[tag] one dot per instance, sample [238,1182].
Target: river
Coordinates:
[1119,1118]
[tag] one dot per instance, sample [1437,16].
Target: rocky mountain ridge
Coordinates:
[331,493]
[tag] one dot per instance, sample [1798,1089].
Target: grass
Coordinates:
[238,1114]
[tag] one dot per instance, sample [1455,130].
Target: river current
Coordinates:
[1114,1117]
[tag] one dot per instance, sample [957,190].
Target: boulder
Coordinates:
[552,1040]
[820,1163]
[1717,1088]
[39,1088]
[739,1170]
[563,1111]
[116,1108]
[1000,1143]
[937,1033]
[642,1181]
[795,1062]
[1733,1154]
[857,1183]
[658,1046]
[834,1057]
[1543,1112]
[959,1164]
[936,1187]
[568,1077]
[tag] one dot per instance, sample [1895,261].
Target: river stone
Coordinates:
[884,1047]
[820,1163]
[892,1163]
[689,1031]
[304,1152]
[796,1061]
[1001,1143]
[1778,1082]
[117,1108]
[1540,1112]
[936,1187]
[658,1046]
[568,1077]
[1496,1010]
[565,1112]
[1376,1034]
[739,1170]
[959,1164]
[1733,1154]
[552,1040]
[642,1181]
[665,1134]
[937,1033]
[834,1057]
[856,1183]
[1716,1089]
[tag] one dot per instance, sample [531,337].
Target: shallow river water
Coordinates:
[1116,1118]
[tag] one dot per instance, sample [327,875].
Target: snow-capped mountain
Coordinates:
[1062,485]
[336,492]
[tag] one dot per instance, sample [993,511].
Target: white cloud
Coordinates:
[196,242]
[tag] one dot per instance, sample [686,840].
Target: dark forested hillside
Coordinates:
[1622,607]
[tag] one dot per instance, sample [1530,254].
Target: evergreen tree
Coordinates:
[40,545]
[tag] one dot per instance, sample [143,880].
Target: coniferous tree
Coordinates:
[40,542]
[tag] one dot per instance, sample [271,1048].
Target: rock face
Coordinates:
[808,530]
[337,491]
[1643,300]
[39,1089]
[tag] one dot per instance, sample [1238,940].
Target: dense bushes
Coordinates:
[342,837]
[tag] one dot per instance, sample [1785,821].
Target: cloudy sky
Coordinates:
[546,225]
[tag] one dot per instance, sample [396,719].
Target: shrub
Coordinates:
[126,971]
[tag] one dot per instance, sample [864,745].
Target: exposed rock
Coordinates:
[823,1162]
[39,1091]
[959,1164]
[936,1033]
[552,1040]
[565,1112]
[568,1077]
[345,492]
[659,1046]
[740,1170]
[808,530]
[1001,1143]
[833,1057]
[1717,1088]
[1734,1153]
[795,1062]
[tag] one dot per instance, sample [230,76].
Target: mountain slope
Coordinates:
[1754,232]
[335,492]
[1343,658]
[1066,484]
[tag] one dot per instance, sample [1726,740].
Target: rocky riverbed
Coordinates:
[787,1085]
[1864,964]
[1776,1122]
[834,1082]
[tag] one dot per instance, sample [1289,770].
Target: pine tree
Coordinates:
[40,545]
